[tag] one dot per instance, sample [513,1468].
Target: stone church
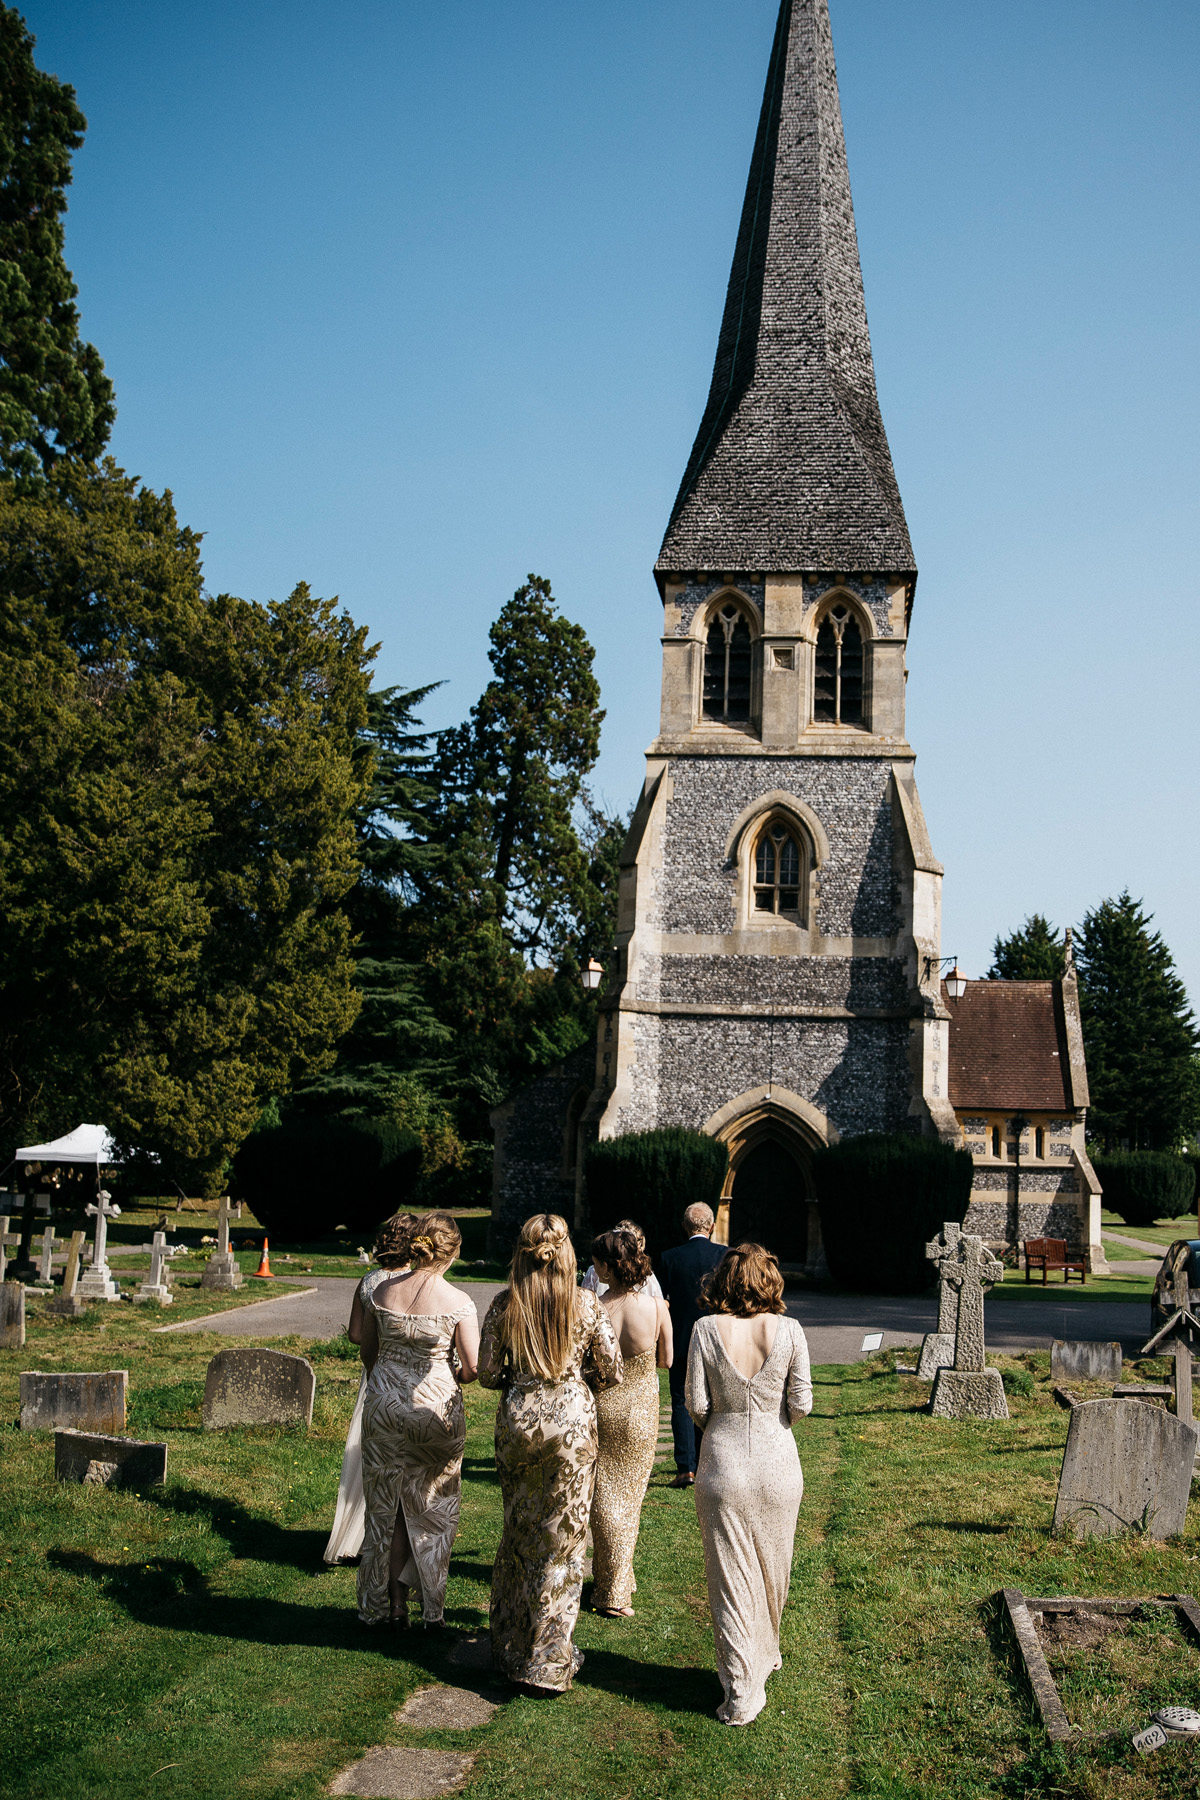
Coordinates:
[776,976]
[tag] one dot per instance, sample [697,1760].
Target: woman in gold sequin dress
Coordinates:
[419,1339]
[545,1344]
[626,1417]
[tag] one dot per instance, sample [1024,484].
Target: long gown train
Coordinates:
[349,1520]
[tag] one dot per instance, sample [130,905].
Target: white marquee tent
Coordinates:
[86,1144]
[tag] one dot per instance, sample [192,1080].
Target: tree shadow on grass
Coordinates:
[248,1534]
[688,1689]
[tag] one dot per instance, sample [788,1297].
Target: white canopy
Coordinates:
[86,1144]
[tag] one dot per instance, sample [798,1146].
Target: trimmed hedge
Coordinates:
[882,1197]
[1146,1185]
[651,1176]
[304,1178]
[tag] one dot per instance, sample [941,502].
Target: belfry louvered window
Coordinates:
[778,866]
[838,689]
[727,664]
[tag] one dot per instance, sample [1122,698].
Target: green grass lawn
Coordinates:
[189,1640]
[1164,1233]
[1097,1287]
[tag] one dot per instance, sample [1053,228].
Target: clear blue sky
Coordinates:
[408,299]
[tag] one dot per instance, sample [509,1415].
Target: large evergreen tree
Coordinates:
[55,399]
[1139,1033]
[1033,953]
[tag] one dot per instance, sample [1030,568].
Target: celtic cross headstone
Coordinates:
[937,1347]
[968,1390]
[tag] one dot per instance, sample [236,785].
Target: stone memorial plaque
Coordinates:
[1085,1359]
[94,1401]
[108,1461]
[1127,1466]
[258,1387]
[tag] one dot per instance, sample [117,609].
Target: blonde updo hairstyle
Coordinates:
[538,1318]
[435,1242]
[393,1239]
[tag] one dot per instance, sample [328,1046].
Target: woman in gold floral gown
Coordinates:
[419,1339]
[626,1416]
[545,1343]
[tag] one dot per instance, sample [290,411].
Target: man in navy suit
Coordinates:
[683,1269]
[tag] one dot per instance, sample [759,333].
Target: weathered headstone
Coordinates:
[85,1401]
[970,1390]
[156,1286]
[67,1302]
[221,1271]
[108,1461]
[937,1347]
[8,1241]
[12,1315]
[258,1387]
[98,1283]
[1127,1467]
[1085,1359]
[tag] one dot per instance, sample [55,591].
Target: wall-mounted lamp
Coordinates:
[591,975]
[956,981]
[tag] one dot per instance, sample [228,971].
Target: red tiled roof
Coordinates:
[1008,1047]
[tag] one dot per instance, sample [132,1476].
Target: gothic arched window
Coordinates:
[727,667]
[838,689]
[779,867]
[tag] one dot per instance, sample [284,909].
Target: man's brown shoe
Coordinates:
[684,1478]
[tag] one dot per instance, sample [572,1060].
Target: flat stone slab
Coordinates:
[1085,1359]
[446,1709]
[90,1457]
[85,1400]
[258,1387]
[387,1774]
[473,1652]
[968,1394]
[1127,1467]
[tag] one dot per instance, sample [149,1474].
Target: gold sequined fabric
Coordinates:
[627,1425]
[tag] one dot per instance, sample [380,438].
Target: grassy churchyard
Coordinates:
[190,1640]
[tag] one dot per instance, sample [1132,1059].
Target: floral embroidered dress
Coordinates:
[413,1431]
[546,1458]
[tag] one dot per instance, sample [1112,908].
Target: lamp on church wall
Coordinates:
[956,981]
[591,975]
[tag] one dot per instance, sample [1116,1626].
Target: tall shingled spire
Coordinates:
[791,468]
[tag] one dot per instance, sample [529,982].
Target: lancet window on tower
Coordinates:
[838,688]
[778,871]
[728,656]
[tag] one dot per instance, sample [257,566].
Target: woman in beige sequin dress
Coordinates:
[545,1344]
[747,1382]
[626,1417]
[420,1339]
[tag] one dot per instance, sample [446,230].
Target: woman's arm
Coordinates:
[490,1364]
[666,1337]
[798,1394]
[361,1330]
[604,1352]
[354,1329]
[696,1396]
[466,1342]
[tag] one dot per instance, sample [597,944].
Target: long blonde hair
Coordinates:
[537,1321]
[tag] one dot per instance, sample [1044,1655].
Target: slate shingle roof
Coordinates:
[791,468]
[1008,1047]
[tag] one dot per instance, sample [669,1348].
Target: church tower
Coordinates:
[776,982]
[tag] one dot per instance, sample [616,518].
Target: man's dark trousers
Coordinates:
[683,1269]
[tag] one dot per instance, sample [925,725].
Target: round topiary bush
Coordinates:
[651,1176]
[304,1178]
[882,1197]
[1146,1185]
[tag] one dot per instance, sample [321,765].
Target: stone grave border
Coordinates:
[1054,1715]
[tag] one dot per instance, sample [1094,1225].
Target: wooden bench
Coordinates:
[1051,1253]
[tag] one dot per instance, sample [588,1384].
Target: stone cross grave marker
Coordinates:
[67,1302]
[8,1241]
[969,1390]
[98,1283]
[155,1286]
[221,1271]
[1127,1467]
[45,1257]
[24,1268]
[937,1347]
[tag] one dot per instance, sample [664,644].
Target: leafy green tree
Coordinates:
[178,788]
[55,399]
[1034,953]
[1139,1034]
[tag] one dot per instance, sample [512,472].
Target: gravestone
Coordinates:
[47,1245]
[67,1302]
[12,1315]
[221,1271]
[1127,1467]
[8,1241]
[258,1387]
[969,1390]
[98,1283]
[937,1347]
[108,1461]
[155,1286]
[1085,1359]
[93,1401]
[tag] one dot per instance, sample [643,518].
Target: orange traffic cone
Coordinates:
[263,1271]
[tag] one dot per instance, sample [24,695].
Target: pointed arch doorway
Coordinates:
[769,1197]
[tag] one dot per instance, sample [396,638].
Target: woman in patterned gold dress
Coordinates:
[544,1341]
[626,1417]
[410,1323]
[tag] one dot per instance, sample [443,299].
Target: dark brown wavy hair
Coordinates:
[622,1256]
[393,1240]
[745,1282]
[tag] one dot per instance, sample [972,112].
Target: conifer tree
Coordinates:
[1033,953]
